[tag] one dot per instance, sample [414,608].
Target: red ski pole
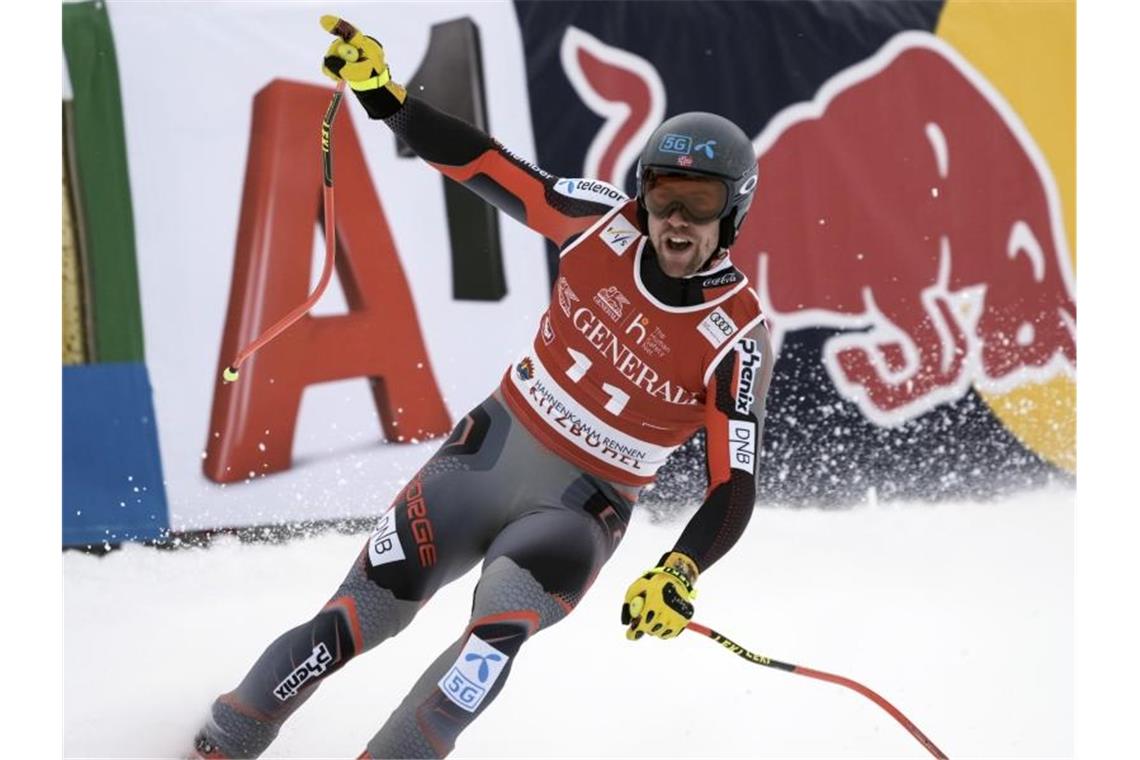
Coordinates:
[230,373]
[752,657]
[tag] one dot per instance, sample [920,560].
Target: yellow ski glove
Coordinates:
[660,601]
[359,60]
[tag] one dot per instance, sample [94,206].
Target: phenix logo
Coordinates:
[317,664]
[611,300]
[746,374]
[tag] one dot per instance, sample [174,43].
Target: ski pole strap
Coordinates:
[759,659]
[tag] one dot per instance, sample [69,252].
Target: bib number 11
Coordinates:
[577,370]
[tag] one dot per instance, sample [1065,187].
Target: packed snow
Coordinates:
[960,614]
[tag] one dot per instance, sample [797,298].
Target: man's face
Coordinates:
[684,227]
[682,246]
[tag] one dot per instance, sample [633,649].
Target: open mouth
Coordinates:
[678,245]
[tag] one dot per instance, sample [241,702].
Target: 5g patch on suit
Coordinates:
[473,674]
[384,543]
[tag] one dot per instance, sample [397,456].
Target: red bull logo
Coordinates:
[907,206]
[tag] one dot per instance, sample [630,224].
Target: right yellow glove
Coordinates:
[359,60]
[660,601]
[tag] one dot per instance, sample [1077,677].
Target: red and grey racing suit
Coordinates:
[539,480]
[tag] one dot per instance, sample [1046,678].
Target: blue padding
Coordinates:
[112,473]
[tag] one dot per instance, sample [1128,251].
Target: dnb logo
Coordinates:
[938,247]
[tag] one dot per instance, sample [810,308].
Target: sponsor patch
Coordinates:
[526,163]
[747,372]
[384,543]
[742,445]
[679,144]
[612,301]
[316,664]
[619,234]
[708,147]
[473,674]
[547,330]
[590,190]
[566,296]
[419,522]
[731,277]
[717,328]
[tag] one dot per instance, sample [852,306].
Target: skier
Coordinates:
[651,334]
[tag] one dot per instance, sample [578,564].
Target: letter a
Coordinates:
[380,336]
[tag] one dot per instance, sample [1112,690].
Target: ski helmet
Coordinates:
[701,144]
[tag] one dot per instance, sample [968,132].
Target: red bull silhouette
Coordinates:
[907,204]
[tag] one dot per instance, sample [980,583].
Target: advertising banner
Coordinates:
[909,239]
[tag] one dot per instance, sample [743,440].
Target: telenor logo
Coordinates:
[484,669]
[707,148]
[590,190]
[468,683]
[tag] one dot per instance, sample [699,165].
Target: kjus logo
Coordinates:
[314,666]
[947,260]
[474,673]
[622,88]
[611,301]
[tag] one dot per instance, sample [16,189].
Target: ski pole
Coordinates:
[230,373]
[758,659]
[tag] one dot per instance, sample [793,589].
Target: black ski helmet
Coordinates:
[702,144]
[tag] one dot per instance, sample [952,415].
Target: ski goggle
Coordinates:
[700,200]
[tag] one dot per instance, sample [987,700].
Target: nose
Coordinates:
[676,218]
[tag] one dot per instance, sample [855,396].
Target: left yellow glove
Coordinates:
[360,61]
[660,601]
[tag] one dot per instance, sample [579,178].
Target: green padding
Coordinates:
[103,185]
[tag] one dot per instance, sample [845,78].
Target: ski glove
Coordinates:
[359,60]
[660,601]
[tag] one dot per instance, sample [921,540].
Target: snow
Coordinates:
[961,615]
